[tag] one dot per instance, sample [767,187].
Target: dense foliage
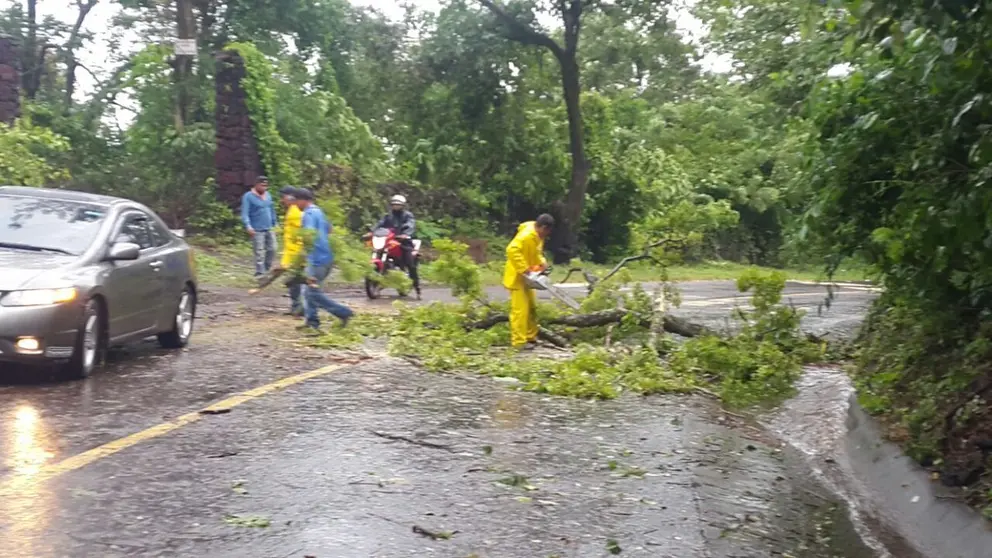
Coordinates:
[472,126]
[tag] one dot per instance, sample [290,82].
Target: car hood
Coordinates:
[19,267]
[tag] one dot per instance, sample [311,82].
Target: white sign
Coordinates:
[185,47]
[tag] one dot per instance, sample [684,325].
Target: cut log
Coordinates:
[671,323]
[552,337]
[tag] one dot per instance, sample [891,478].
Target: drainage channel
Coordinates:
[894,506]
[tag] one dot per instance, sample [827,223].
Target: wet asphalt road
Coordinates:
[338,465]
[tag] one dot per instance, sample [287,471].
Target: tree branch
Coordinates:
[69,51]
[571,16]
[92,74]
[671,324]
[592,280]
[521,32]
[107,93]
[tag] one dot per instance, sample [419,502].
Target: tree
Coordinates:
[521,29]
[624,51]
[780,47]
[72,44]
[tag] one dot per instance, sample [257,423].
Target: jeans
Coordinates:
[410,263]
[263,248]
[297,301]
[316,299]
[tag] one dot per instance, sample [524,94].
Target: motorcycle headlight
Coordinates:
[39,297]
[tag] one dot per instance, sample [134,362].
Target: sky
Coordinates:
[93,56]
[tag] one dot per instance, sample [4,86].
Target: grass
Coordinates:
[492,273]
[229,264]
[226,265]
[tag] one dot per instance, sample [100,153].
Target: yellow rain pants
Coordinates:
[523,316]
[524,252]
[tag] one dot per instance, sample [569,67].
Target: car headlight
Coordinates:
[39,297]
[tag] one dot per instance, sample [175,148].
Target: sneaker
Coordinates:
[344,321]
[308,329]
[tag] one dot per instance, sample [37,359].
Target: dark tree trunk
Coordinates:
[31,67]
[71,64]
[10,80]
[565,242]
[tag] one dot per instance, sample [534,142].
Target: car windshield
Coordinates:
[40,224]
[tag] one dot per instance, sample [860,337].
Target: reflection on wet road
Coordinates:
[346,464]
[27,444]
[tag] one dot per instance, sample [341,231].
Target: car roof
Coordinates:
[62,195]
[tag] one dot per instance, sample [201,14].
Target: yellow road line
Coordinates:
[110,448]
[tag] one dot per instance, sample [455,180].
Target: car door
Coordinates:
[174,270]
[134,288]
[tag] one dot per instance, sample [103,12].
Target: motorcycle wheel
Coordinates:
[373,289]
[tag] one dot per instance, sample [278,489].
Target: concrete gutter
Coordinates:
[901,499]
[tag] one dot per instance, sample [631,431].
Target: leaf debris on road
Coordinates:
[434,535]
[252,521]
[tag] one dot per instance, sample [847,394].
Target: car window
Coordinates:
[47,224]
[134,229]
[160,235]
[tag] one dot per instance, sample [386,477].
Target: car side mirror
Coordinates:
[123,251]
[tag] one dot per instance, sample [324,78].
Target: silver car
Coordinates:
[80,273]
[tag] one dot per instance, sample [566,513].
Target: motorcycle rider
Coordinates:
[403,225]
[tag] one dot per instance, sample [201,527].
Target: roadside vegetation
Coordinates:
[844,140]
[228,264]
[617,342]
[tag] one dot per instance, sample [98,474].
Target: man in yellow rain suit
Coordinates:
[292,247]
[524,254]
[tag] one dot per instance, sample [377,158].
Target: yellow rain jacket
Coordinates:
[292,245]
[525,251]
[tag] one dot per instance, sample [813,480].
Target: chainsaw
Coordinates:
[541,281]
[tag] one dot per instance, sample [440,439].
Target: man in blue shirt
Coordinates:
[320,258]
[258,213]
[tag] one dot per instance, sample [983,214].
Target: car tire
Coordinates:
[87,355]
[182,322]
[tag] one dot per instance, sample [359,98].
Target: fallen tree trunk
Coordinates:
[671,324]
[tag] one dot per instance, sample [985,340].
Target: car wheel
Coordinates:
[88,352]
[182,322]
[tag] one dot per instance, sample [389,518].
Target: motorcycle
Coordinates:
[387,255]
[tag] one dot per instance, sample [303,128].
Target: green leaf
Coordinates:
[251,521]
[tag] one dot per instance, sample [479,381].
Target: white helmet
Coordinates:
[397,200]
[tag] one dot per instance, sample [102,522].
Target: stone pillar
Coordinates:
[10,80]
[236,160]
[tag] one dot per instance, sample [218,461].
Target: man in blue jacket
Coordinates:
[320,258]
[258,213]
